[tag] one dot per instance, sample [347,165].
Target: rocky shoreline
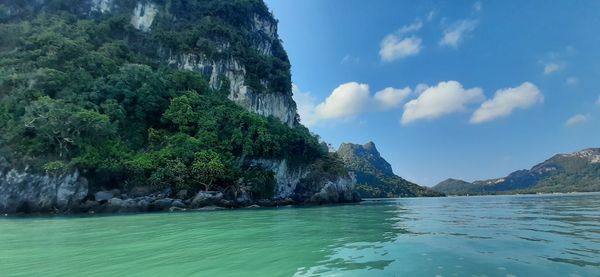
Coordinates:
[114,202]
[28,193]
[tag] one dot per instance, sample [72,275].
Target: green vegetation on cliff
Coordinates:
[89,92]
[575,172]
[374,175]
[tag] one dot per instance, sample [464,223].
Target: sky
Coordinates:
[447,89]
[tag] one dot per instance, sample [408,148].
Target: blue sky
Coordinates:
[461,89]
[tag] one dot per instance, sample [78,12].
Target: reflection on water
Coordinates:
[556,235]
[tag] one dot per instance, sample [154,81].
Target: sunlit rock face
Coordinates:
[143,16]
[102,6]
[22,191]
[278,105]
[291,183]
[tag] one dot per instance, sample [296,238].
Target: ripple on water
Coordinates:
[454,236]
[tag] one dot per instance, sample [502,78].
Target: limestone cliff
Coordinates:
[219,62]
[374,174]
[102,80]
[22,191]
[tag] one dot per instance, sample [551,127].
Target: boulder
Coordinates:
[207,198]
[178,204]
[115,202]
[103,195]
[338,191]
[143,203]
[161,204]
[130,206]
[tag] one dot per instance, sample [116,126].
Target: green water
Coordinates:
[556,235]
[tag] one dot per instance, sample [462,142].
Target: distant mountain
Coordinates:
[578,171]
[374,175]
[455,185]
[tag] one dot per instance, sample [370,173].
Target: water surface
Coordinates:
[551,235]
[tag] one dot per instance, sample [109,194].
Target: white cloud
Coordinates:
[477,6]
[346,101]
[396,45]
[350,59]
[572,81]
[415,26]
[389,98]
[305,103]
[506,100]
[556,61]
[455,33]
[445,98]
[550,68]
[577,119]
[598,101]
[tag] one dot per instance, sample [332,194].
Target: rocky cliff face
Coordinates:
[22,191]
[255,72]
[374,175]
[290,184]
[279,105]
[143,14]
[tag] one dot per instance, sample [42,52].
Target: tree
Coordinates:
[207,168]
[65,125]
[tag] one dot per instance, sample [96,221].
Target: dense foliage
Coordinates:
[374,175]
[87,94]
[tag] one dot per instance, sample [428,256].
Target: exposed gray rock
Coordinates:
[131,206]
[339,191]
[207,198]
[102,6]
[162,204]
[115,202]
[289,182]
[177,203]
[279,104]
[103,195]
[21,191]
[143,16]
[286,178]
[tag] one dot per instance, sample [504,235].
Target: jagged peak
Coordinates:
[370,146]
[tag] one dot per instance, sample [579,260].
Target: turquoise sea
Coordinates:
[540,235]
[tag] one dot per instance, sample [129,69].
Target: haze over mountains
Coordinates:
[574,172]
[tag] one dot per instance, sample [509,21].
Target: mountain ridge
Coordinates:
[578,171]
